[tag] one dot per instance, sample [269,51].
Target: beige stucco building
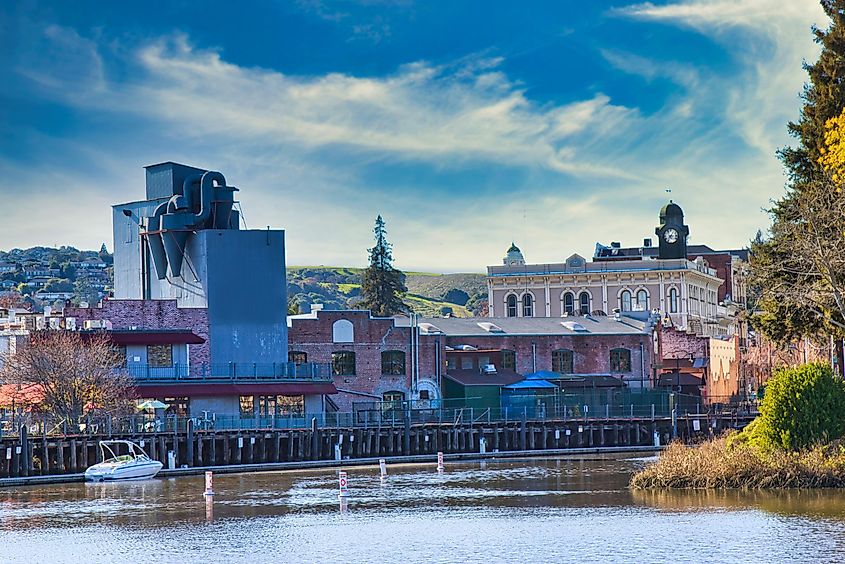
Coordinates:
[685,292]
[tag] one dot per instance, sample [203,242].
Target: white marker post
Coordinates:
[382,465]
[440,466]
[343,484]
[209,484]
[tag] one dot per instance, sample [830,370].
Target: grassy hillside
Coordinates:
[429,294]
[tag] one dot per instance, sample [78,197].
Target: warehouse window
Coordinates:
[562,361]
[393,363]
[343,363]
[620,360]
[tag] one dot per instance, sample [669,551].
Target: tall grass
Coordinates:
[720,464]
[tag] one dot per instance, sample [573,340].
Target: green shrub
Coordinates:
[803,406]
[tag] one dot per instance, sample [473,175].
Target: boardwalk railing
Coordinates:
[555,407]
[237,371]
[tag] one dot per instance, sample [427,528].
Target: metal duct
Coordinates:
[156,243]
[205,203]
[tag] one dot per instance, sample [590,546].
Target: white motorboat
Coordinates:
[133,465]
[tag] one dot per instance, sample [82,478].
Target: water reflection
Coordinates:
[563,509]
[829,504]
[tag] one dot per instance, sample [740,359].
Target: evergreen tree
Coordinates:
[798,271]
[382,286]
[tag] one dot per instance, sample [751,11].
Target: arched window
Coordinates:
[625,300]
[528,305]
[392,401]
[642,300]
[620,360]
[673,300]
[393,363]
[511,301]
[343,332]
[562,361]
[569,303]
[298,357]
[343,363]
[584,302]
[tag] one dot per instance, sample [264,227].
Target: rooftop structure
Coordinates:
[694,291]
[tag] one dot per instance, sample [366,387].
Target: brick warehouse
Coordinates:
[398,358]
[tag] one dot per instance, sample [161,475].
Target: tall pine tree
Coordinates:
[382,286]
[799,270]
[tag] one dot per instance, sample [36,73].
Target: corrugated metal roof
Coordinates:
[592,325]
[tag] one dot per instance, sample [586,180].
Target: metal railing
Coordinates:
[554,407]
[275,371]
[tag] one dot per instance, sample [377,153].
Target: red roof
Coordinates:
[152,336]
[28,394]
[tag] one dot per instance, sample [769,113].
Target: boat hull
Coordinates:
[112,473]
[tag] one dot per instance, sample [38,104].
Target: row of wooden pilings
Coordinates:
[51,455]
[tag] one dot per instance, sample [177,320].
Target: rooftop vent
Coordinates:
[616,245]
[465,348]
[490,327]
[430,329]
[574,326]
[646,243]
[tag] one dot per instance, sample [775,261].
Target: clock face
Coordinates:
[670,235]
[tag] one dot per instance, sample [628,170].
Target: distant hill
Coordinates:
[429,294]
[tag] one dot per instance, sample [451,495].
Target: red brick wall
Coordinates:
[374,335]
[591,353]
[150,314]
[680,344]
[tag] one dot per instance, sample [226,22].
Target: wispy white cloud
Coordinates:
[303,148]
[768,38]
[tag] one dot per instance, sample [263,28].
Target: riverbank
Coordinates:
[349,462]
[717,464]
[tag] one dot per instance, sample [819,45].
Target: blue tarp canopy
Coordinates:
[528,384]
[544,375]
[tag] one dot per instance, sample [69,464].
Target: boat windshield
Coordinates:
[122,458]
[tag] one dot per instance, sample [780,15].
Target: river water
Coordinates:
[573,509]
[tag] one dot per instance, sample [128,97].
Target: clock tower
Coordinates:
[672,233]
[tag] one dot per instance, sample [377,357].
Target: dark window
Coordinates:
[642,300]
[527,306]
[424,395]
[673,300]
[290,405]
[584,303]
[247,406]
[343,363]
[562,361]
[392,401]
[508,360]
[160,356]
[299,357]
[625,300]
[512,306]
[267,406]
[120,355]
[393,363]
[620,360]
[177,407]
[569,303]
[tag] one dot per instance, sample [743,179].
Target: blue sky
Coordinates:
[465,124]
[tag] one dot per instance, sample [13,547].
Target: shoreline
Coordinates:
[349,462]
